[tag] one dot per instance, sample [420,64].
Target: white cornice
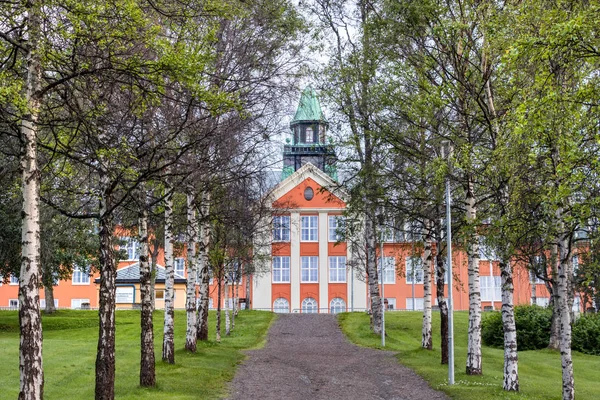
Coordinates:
[308,170]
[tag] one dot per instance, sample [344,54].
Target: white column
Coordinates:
[295,260]
[360,287]
[261,293]
[323,262]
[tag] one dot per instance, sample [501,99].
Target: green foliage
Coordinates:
[586,334]
[533,328]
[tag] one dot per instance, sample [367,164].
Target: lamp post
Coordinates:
[382,290]
[446,149]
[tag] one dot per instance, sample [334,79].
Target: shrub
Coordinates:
[533,328]
[586,334]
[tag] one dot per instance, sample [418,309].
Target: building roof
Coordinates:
[131,274]
[309,108]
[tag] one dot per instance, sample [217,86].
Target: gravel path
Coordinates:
[308,357]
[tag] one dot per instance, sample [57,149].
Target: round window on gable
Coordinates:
[309,193]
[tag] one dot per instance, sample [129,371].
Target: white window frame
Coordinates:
[278,305]
[179,262]
[309,228]
[419,303]
[542,301]
[43,303]
[13,303]
[210,303]
[389,270]
[14,280]
[337,305]
[131,247]
[490,288]
[575,264]
[282,265]
[533,278]
[307,136]
[411,263]
[80,301]
[335,223]
[314,306]
[309,265]
[79,277]
[337,269]
[391,303]
[281,228]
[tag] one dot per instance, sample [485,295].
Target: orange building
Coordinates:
[306,270]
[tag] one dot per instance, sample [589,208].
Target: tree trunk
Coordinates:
[426,334]
[218,327]
[202,331]
[168,349]
[552,285]
[372,273]
[49,297]
[443,306]
[154,262]
[564,284]
[533,291]
[30,324]
[511,360]
[248,279]
[105,358]
[190,300]
[226,299]
[147,368]
[473,366]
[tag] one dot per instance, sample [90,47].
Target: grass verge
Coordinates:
[539,370]
[70,340]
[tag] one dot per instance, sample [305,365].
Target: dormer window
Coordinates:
[309,135]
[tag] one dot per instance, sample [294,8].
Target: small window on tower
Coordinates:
[309,135]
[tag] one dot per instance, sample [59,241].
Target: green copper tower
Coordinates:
[309,129]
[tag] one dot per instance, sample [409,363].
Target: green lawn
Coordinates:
[539,371]
[70,340]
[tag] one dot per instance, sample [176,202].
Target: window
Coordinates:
[309,268]
[389,269]
[14,280]
[281,269]
[159,294]
[337,269]
[130,248]
[80,276]
[575,264]
[78,303]
[13,303]
[414,303]
[491,288]
[179,266]
[337,305]
[309,135]
[414,270]
[542,301]
[486,252]
[281,306]
[309,228]
[43,303]
[281,228]
[309,306]
[390,303]
[533,278]
[337,225]
[210,303]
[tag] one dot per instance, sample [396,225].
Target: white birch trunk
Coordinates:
[190,300]
[202,331]
[564,284]
[30,324]
[511,360]
[426,334]
[168,349]
[227,316]
[473,366]
[372,273]
[147,361]
[105,356]
[219,298]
